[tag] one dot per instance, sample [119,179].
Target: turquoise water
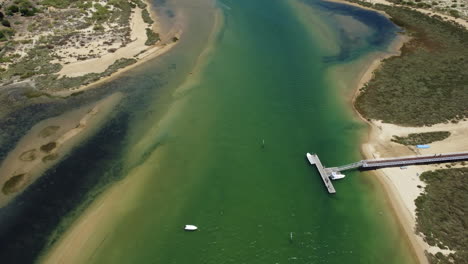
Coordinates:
[263,78]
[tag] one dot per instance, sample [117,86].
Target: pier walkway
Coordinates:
[325,173]
[314,160]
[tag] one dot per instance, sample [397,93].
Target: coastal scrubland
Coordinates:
[424,86]
[456,8]
[428,83]
[38,39]
[441,212]
[421,138]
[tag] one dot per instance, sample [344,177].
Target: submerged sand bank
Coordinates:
[89,232]
[46,143]
[92,228]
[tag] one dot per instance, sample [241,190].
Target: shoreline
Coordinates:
[402,187]
[391,195]
[150,53]
[31,157]
[88,232]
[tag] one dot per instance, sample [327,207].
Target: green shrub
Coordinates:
[13,9]
[421,138]
[56,3]
[146,17]
[454,13]
[101,14]
[139,3]
[152,37]
[6,23]
[427,84]
[441,213]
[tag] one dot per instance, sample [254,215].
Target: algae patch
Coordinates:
[48,147]
[13,184]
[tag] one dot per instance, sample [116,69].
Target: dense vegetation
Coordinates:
[421,138]
[428,83]
[442,213]
[152,37]
[39,62]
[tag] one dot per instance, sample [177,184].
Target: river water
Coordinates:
[192,127]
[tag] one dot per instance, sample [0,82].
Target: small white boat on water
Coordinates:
[336,175]
[190,228]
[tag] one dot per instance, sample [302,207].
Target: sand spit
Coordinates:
[88,233]
[92,228]
[46,143]
[136,49]
[98,65]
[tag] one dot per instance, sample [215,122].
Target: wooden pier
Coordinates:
[314,160]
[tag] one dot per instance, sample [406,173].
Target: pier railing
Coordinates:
[325,173]
[402,161]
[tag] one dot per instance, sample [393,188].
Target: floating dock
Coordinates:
[314,160]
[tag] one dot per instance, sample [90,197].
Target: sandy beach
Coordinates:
[403,186]
[88,233]
[135,49]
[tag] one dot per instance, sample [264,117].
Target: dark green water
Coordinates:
[265,78]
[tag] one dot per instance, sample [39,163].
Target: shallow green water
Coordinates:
[264,80]
[193,126]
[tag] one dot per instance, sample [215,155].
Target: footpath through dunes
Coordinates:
[265,81]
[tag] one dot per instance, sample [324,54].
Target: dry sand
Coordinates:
[459,21]
[64,131]
[90,231]
[98,65]
[403,186]
[136,49]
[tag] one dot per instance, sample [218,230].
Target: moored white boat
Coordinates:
[335,175]
[190,228]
